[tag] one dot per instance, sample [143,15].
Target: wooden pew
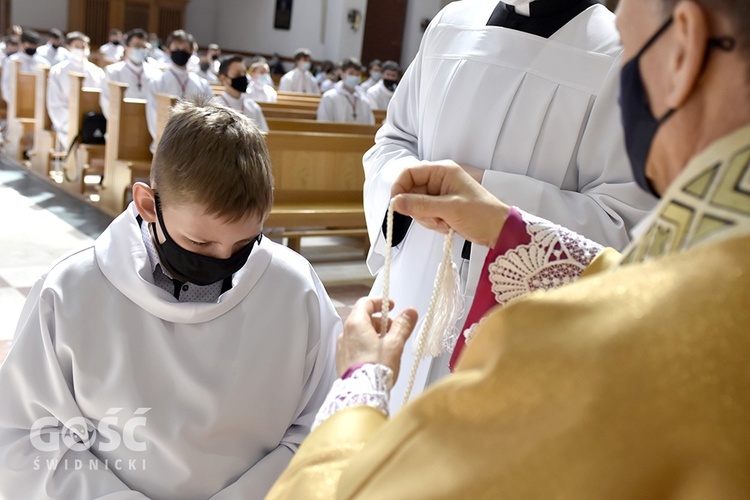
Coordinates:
[20,113]
[276,110]
[318,126]
[164,103]
[89,158]
[318,183]
[379,115]
[283,96]
[3,105]
[126,153]
[44,136]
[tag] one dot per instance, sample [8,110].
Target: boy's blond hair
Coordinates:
[213,156]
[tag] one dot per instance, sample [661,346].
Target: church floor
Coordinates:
[41,223]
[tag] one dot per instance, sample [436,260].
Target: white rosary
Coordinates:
[438,331]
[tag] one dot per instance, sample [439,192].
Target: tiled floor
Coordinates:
[42,223]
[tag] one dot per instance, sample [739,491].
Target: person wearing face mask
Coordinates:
[261,85]
[133,70]
[29,58]
[113,50]
[10,46]
[344,102]
[176,80]
[233,76]
[166,333]
[380,94]
[630,382]
[58,84]
[53,50]
[300,79]
[375,72]
[523,95]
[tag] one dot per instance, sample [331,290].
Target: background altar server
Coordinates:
[344,103]
[187,352]
[58,85]
[489,90]
[300,79]
[113,50]
[29,58]
[133,70]
[53,50]
[176,79]
[233,75]
[375,74]
[261,85]
[380,94]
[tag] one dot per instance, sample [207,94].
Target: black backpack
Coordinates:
[93,128]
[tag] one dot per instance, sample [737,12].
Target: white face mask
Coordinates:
[305,66]
[352,81]
[138,55]
[79,55]
[375,75]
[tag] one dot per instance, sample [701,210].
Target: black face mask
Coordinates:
[115,42]
[55,46]
[240,84]
[390,84]
[191,267]
[214,57]
[639,123]
[30,51]
[180,57]
[205,66]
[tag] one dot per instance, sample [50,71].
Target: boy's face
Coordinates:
[181,45]
[78,44]
[206,234]
[390,74]
[193,229]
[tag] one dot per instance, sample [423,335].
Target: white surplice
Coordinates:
[297,80]
[344,106]
[261,92]
[181,399]
[379,96]
[245,105]
[58,92]
[137,76]
[178,82]
[28,65]
[539,115]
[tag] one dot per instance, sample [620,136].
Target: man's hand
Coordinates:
[360,342]
[442,196]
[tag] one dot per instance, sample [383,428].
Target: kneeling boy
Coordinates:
[182,355]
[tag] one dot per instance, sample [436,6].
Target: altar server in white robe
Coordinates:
[134,70]
[113,50]
[233,75]
[58,85]
[261,85]
[375,74]
[176,79]
[53,50]
[523,96]
[182,355]
[300,79]
[344,103]
[380,94]
[29,57]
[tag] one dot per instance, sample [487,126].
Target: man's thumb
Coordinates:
[418,206]
[404,323]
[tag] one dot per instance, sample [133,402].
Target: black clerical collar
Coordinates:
[545,16]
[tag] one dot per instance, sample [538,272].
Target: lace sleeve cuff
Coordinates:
[368,385]
[531,254]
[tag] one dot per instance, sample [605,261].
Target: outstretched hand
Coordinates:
[443,196]
[360,342]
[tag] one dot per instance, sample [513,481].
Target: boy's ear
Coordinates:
[145,201]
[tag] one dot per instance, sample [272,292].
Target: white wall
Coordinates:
[416,10]
[41,14]
[200,20]
[248,26]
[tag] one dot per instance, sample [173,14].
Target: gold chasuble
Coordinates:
[633,382]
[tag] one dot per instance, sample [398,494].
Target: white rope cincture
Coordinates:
[437,334]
